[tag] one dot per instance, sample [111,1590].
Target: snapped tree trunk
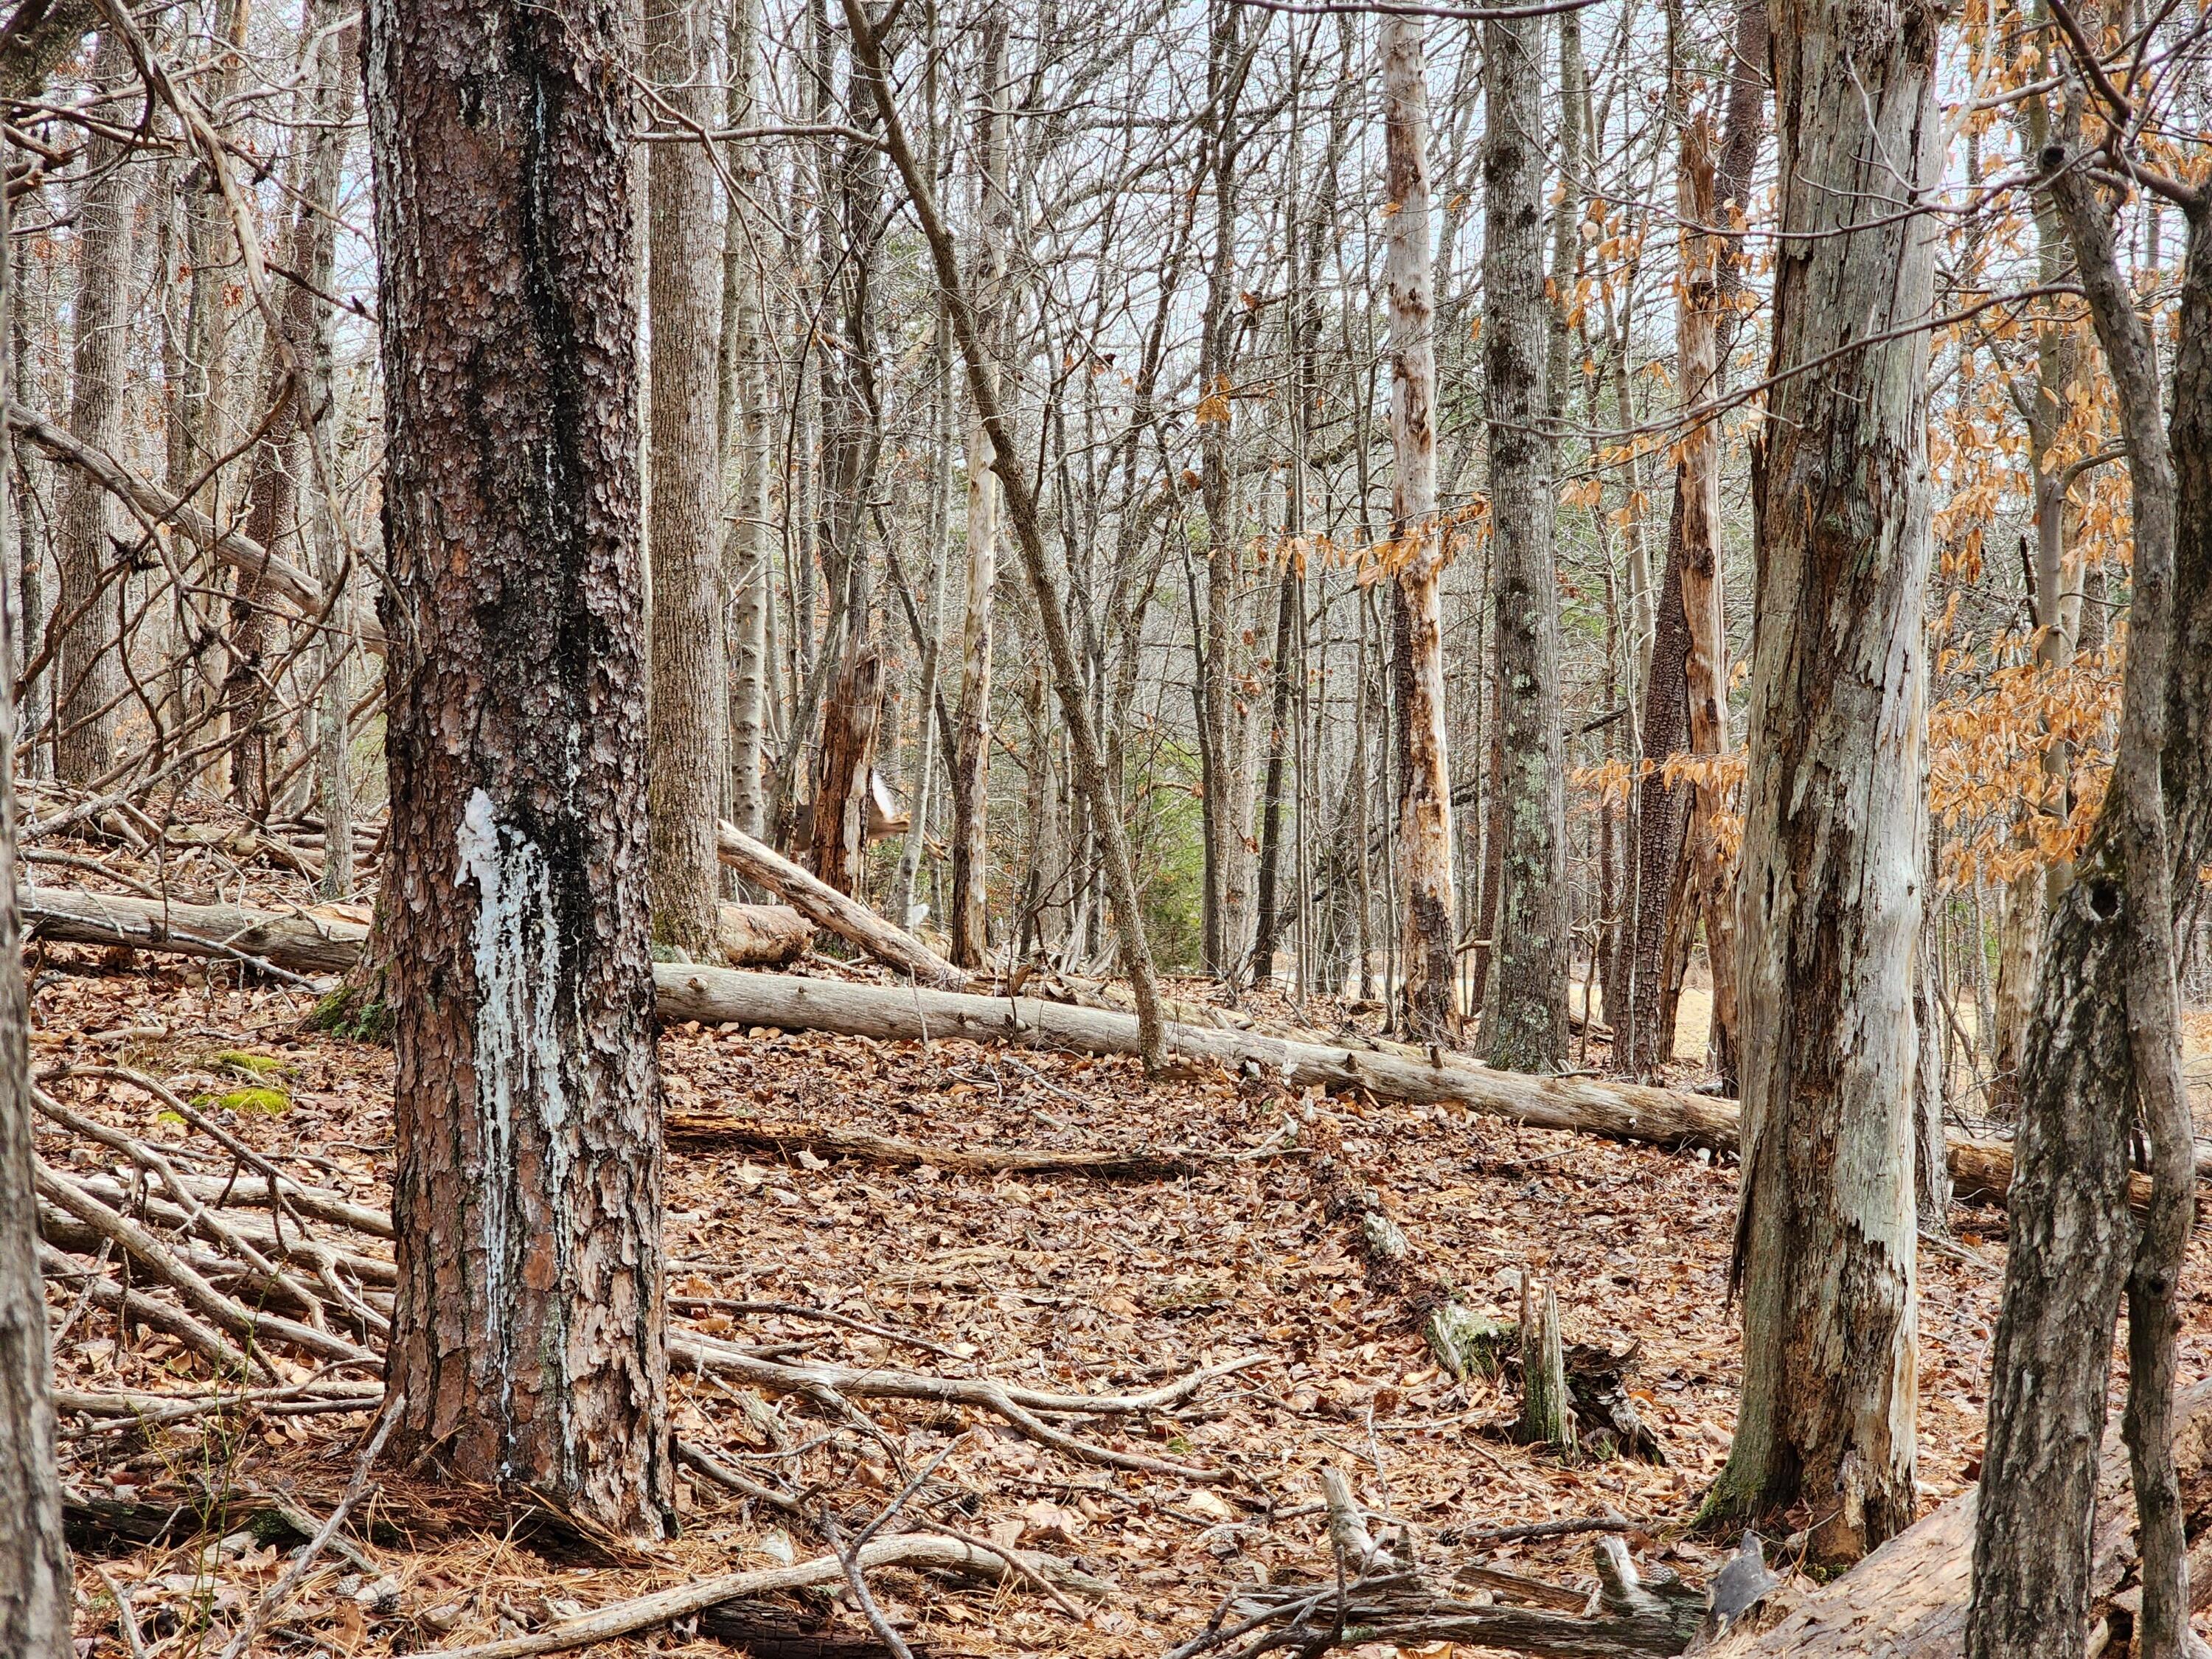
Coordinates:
[1835,837]
[527,1331]
[1525,1010]
[688,734]
[1420,547]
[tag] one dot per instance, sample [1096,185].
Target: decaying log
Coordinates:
[826,907]
[1908,1599]
[1621,1111]
[322,939]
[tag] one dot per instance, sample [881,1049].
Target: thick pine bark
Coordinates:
[88,673]
[1427,1008]
[689,721]
[34,1574]
[1525,1011]
[527,1332]
[971,743]
[2101,1064]
[1835,834]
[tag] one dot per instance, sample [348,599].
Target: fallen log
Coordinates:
[322,939]
[1908,1599]
[1621,1111]
[826,907]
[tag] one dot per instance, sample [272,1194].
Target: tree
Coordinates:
[2101,1065]
[971,743]
[691,715]
[743,419]
[527,1329]
[1420,547]
[89,677]
[1525,1011]
[34,1576]
[1835,836]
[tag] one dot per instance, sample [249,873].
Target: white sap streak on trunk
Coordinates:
[518,1050]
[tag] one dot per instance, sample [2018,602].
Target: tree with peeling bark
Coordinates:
[527,1328]
[2101,1067]
[1835,837]
[689,719]
[1525,1021]
[1420,547]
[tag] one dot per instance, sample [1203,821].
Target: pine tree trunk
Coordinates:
[1420,548]
[527,1330]
[1835,837]
[34,1569]
[88,673]
[689,721]
[1525,1011]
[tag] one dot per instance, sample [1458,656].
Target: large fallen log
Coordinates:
[825,907]
[324,939]
[311,943]
[1908,1599]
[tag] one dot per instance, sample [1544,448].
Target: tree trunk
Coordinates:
[1525,1012]
[1420,548]
[1835,837]
[88,674]
[34,1567]
[690,719]
[2102,1065]
[527,1333]
[743,420]
[970,924]
[842,915]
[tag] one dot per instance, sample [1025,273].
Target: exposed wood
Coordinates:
[1908,1599]
[826,907]
[325,939]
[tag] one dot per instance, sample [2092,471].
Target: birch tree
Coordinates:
[1420,547]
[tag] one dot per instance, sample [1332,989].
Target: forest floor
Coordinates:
[1057,1281]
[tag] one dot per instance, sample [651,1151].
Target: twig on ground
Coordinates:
[281,1591]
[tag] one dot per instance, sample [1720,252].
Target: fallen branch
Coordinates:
[928,1550]
[826,907]
[320,940]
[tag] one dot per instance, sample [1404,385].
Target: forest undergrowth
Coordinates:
[1052,1281]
